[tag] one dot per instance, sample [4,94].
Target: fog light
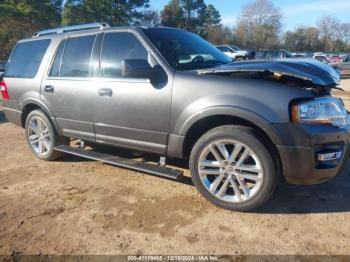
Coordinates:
[329,156]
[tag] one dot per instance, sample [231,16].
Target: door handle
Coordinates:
[105,92]
[49,89]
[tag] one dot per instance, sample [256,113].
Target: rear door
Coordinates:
[131,112]
[69,88]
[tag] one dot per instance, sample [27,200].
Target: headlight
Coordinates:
[323,110]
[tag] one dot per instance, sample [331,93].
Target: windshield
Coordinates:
[184,50]
[288,54]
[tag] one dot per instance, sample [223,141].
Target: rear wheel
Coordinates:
[41,136]
[232,168]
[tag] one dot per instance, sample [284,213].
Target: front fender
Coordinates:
[246,108]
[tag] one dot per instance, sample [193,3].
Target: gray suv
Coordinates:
[241,125]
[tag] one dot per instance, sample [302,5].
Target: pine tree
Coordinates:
[114,12]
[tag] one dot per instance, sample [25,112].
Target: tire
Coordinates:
[244,150]
[42,137]
[239,58]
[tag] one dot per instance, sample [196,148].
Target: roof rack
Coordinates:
[72,28]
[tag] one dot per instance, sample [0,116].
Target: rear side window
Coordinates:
[76,57]
[56,65]
[116,48]
[26,58]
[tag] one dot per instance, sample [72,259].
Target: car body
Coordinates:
[169,92]
[322,58]
[344,66]
[272,54]
[234,52]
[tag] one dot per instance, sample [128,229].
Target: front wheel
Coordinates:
[41,136]
[232,168]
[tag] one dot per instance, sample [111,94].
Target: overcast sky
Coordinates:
[296,12]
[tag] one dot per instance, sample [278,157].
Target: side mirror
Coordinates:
[136,68]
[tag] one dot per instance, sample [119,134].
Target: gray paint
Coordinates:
[152,118]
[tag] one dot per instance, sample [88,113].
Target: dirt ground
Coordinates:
[75,206]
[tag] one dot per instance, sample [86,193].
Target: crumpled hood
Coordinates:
[318,73]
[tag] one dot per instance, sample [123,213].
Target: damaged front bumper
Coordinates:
[312,153]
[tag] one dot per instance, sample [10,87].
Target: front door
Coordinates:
[131,112]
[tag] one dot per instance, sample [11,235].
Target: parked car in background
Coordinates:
[344,66]
[335,59]
[234,52]
[2,68]
[322,58]
[299,55]
[272,54]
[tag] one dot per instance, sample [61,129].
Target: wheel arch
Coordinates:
[33,104]
[194,128]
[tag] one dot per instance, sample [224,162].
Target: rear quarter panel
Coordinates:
[26,90]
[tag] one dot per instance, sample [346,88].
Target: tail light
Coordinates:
[3,88]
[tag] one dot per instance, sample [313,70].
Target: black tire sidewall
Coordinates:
[50,155]
[244,135]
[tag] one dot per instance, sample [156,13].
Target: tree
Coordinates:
[303,39]
[21,18]
[172,14]
[218,35]
[209,21]
[259,25]
[328,26]
[149,18]
[194,11]
[114,12]
[212,16]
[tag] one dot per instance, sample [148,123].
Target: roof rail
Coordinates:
[72,28]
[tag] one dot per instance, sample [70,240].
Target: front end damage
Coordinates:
[314,146]
[307,74]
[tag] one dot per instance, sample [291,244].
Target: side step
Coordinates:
[123,162]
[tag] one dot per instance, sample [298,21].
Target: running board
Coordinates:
[123,162]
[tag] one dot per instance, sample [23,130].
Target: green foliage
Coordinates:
[259,25]
[193,15]
[114,12]
[172,14]
[21,18]
[210,23]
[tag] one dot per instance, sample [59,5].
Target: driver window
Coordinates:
[117,47]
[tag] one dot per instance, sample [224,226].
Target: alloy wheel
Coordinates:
[39,136]
[230,171]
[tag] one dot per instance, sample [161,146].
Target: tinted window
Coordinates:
[224,49]
[26,58]
[184,50]
[55,69]
[236,48]
[2,65]
[95,58]
[76,57]
[116,48]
